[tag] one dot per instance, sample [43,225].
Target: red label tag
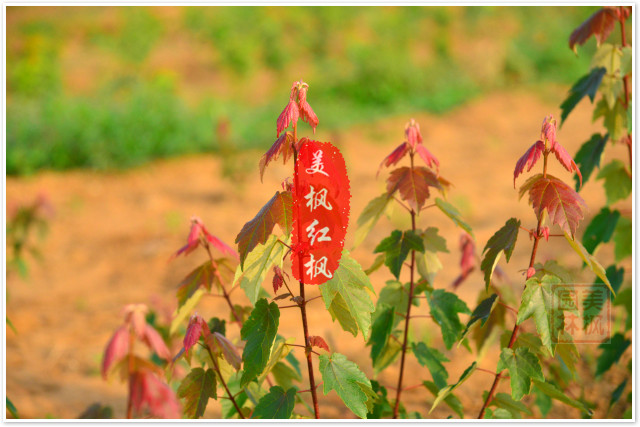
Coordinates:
[320,212]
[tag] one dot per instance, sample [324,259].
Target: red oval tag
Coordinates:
[321,198]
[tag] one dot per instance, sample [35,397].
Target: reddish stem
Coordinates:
[407,317]
[224,290]
[224,384]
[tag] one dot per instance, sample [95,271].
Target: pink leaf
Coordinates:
[412,131]
[548,131]
[529,159]
[278,278]
[530,272]
[426,156]
[134,316]
[194,331]
[316,341]
[395,156]
[283,145]
[306,112]
[289,115]
[467,260]
[150,393]
[155,342]
[220,245]
[566,160]
[193,240]
[219,342]
[116,349]
[545,233]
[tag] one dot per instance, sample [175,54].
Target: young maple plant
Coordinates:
[523,354]
[609,78]
[312,213]
[410,187]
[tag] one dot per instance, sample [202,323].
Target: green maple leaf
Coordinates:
[257,264]
[351,384]
[586,86]
[600,229]
[451,400]
[432,359]
[617,181]
[445,392]
[615,118]
[553,392]
[445,307]
[285,375]
[196,388]
[381,330]
[427,263]
[449,210]
[346,296]
[622,239]
[369,216]
[504,240]
[537,302]
[259,331]
[523,366]
[481,313]
[396,249]
[590,260]
[611,353]
[277,404]
[588,156]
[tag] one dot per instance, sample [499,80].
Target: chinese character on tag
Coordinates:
[317,199]
[317,267]
[313,234]
[316,165]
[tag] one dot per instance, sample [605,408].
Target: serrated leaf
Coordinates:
[443,393]
[615,118]
[600,229]
[396,249]
[196,389]
[413,185]
[622,239]
[590,260]
[277,404]
[185,310]
[506,402]
[586,86]
[428,264]
[504,240]
[278,210]
[283,145]
[562,204]
[389,353]
[445,307]
[393,295]
[617,181]
[553,392]
[284,375]
[432,359]
[346,296]
[537,302]
[369,217]
[600,25]
[279,351]
[481,313]
[258,264]
[449,210]
[344,376]
[594,301]
[381,330]
[523,366]
[588,156]
[451,400]
[611,353]
[218,343]
[259,331]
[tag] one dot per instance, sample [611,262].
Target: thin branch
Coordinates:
[308,390]
[402,204]
[302,346]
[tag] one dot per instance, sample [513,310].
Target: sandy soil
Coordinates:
[113,233]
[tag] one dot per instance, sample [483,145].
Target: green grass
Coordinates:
[362,63]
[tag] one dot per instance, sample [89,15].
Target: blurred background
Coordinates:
[122,122]
[114,87]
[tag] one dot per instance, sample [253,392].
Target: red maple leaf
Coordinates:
[395,156]
[283,145]
[278,278]
[565,159]
[316,341]
[197,327]
[148,392]
[116,349]
[289,115]
[413,185]
[306,112]
[426,156]
[467,259]
[528,159]
[198,231]
[562,203]
[599,25]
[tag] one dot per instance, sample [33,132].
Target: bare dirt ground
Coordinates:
[113,233]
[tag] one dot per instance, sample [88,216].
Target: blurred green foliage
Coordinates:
[136,102]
